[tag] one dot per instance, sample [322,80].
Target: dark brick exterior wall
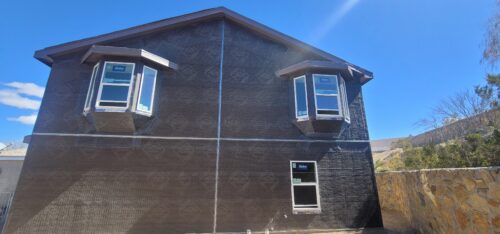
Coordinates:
[82,184]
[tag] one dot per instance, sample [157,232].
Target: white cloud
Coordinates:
[331,21]
[30,89]
[12,98]
[24,119]
[16,95]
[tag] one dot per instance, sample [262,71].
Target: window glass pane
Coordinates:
[325,84]
[301,97]
[345,103]
[305,195]
[118,73]
[90,92]
[147,90]
[114,93]
[303,172]
[327,102]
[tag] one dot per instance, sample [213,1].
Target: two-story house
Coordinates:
[202,123]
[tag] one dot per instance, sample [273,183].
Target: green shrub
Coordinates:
[472,151]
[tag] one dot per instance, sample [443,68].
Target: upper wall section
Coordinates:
[255,102]
[187,98]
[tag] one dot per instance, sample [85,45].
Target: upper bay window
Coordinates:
[116,88]
[122,87]
[318,90]
[328,94]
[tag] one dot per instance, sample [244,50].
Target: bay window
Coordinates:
[115,87]
[305,191]
[121,93]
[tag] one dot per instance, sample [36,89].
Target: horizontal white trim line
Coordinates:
[191,138]
[11,158]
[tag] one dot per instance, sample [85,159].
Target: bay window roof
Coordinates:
[96,52]
[346,69]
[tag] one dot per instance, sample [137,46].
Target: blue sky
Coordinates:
[420,51]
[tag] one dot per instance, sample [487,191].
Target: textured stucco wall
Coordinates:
[444,200]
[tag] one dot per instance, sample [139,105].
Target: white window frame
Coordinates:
[339,104]
[345,102]
[90,91]
[306,117]
[149,113]
[114,108]
[305,208]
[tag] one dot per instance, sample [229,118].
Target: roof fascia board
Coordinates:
[44,54]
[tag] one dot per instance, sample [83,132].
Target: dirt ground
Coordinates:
[394,222]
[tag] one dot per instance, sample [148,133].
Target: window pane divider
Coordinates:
[306,184]
[115,84]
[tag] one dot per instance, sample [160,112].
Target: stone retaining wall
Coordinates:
[444,200]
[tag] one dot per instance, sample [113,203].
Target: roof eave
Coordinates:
[44,55]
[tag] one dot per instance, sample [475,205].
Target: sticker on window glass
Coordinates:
[294,165]
[297,180]
[324,80]
[302,167]
[119,68]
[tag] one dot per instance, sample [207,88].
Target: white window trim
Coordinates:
[114,108]
[149,113]
[306,117]
[339,104]
[305,208]
[90,91]
[345,102]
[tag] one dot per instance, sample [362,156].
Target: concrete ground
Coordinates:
[394,223]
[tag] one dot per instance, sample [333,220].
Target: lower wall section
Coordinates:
[113,185]
[444,200]
[255,192]
[98,185]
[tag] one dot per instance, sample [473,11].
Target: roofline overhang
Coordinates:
[45,55]
[95,53]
